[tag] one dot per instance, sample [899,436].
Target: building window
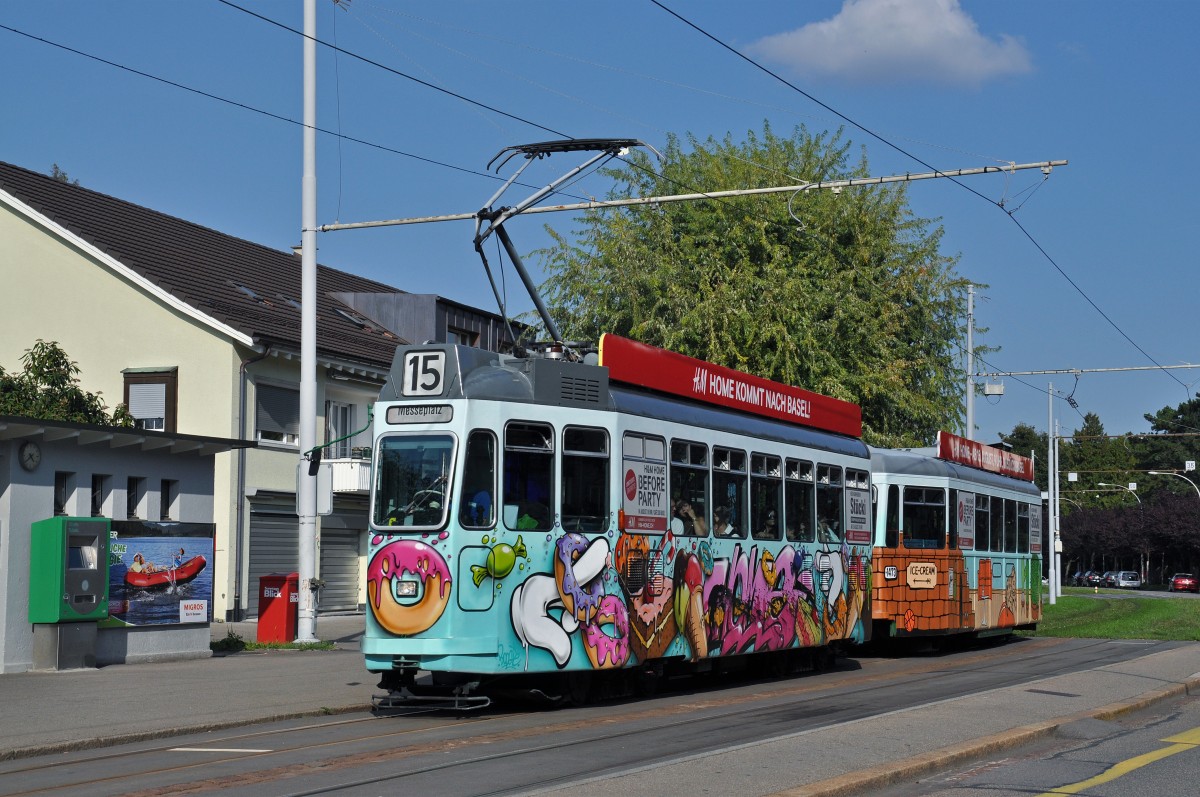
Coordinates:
[168,496]
[150,396]
[101,486]
[64,486]
[135,493]
[462,337]
[278,414]
[339,422]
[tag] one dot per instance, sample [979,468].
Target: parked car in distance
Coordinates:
[1093,579]
[1184,582]
[1127,579]
[1109,579]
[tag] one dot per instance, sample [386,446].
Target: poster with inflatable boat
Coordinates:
[160,573]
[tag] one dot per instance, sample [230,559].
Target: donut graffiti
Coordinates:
[608,651]
[575,590]
[398,561]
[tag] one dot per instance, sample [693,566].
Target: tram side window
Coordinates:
[689,488]
[585,479]
[1010,525]
[997,545]
[729,493]
[528,476]
[924,517]
[891,534]
[1022,528]
[476,506]
[831,504]
[983,522]
[799,502]
[766,490]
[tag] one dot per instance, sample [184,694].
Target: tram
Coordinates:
[957,542]
[540,518]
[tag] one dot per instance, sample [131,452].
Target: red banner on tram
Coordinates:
[658,369]
[968,452]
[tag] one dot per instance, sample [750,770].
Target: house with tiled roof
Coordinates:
[198,332]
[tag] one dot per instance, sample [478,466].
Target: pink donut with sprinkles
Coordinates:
[412,558]
[604,651]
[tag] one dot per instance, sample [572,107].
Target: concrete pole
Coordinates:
[306,486]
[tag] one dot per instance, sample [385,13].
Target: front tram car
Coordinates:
[537,521]
[958,541]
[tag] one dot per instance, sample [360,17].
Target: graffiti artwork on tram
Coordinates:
[407,560]
[653,596]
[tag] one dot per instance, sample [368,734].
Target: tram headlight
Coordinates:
[407,589]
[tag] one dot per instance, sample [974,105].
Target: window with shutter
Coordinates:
[150,397]
[277,416]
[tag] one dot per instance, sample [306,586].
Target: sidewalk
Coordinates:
[50,711]
[44,712]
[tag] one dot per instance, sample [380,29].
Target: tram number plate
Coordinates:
[922,575]
[424,373]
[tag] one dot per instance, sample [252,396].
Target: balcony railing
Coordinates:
[351,475]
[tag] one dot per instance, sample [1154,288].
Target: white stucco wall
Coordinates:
[26,497]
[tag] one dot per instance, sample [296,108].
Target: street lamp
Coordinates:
[1132,488]
[1180,475]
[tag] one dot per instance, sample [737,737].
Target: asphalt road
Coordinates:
[716,736]
[1155,751]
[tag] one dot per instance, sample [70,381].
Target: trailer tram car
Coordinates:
[554,523]
[958,541]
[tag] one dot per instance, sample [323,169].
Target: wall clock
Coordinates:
[29,455]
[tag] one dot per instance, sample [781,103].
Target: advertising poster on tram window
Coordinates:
[1035,529]
[645,491]
[160,573]
[858,518]
[965,512]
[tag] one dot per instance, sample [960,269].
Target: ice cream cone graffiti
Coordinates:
[689,603]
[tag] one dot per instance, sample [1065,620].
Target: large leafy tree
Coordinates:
[48,388]
[846,294]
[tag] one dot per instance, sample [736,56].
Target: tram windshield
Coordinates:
[413,475]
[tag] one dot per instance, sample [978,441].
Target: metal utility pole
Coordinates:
[1052,492]
[970,430]
[306,484]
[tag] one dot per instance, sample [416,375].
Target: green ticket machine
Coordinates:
[68,589]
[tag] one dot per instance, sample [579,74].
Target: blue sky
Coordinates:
[1101,276]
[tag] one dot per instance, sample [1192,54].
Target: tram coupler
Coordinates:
[457,699]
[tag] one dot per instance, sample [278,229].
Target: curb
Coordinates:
[894,772]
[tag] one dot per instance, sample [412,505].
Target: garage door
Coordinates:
[274,549]
[341,561]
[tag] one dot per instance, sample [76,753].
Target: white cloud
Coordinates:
[897,41]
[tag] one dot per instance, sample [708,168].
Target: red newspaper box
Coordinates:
[278,606]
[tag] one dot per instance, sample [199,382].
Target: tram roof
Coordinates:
[925,462]
[473,373]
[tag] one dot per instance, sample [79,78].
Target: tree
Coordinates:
[61,176]
[48,389]
[844,294]
[1177,441]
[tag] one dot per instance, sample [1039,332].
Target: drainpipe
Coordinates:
[241,484]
